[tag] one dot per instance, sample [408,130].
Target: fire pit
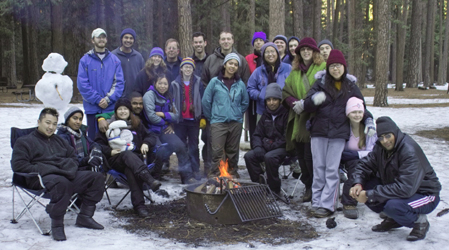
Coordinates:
[222,200]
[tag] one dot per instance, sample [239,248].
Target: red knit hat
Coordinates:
[335,56]
[307,42]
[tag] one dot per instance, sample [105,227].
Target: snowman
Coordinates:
[54,89]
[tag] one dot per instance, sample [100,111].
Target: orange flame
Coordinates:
[224,169]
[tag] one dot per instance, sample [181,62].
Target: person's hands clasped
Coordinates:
[103,103]
[169,130]
[358,193]
[144,149]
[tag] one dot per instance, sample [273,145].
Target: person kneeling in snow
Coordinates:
[55,160]
[269,140]
[405,186]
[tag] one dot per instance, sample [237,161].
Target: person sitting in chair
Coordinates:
[269,140]
[55,160]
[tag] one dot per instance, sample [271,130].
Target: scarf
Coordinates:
[272,74]
[79,141]
[304,68]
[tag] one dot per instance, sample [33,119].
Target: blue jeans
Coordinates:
[176,145]
[188,131]
[404,211]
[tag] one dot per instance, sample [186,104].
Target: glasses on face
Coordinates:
[270,52]
[385,136]
[305,49]
[335,66]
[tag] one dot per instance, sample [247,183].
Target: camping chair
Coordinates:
[35,195]
[119,177]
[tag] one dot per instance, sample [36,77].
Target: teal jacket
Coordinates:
[222,105]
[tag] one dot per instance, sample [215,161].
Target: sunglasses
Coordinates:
[385,136]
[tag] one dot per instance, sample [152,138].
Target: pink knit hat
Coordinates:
[354,104]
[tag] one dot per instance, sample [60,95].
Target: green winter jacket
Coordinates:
[295,87]
[222,105]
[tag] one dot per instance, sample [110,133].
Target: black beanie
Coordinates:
[123,102]
[386,125]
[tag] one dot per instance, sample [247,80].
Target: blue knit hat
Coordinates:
[156,51]
[266,45]
[260,35]
[325,41]
[231,56]
[128,31]
[280,37]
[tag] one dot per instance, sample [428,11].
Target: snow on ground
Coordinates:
[349,234]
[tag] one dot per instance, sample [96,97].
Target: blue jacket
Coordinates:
[154,102]
[99,79]
[258,82]
[131,66]
[222,105]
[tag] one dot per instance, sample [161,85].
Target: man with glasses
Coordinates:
[396,178]
[100,80]
[172,59]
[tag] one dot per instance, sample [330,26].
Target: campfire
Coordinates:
[220,184]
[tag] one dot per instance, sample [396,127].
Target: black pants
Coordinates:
[272,159]
[89,186]
[304,153]
[131,165]
[188,131]
[252,119]
[346,199]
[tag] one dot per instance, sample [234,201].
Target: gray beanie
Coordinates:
[232,56]
[326,41]
[71,111]
[274,91]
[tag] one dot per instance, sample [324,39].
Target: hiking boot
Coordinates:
[146,177]
[350,212]
[307,196]
[419,231]
[383,215]
[142,212]
[322,213]
[386,225]
[84,218]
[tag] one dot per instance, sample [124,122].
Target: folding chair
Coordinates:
[35,195]
[121,178]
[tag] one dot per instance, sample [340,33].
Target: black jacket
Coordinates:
[270,134]
[45,155]
[330,119]
[405,172]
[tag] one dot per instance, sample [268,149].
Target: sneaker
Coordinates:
[307,196]
[322,213]
[419,231]
[386,225]
[350,211]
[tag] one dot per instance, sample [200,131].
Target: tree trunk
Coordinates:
[12,55]
[328,18]
[149,24]
[414,68]
[57,38]
[276,19]
[429,44]
[401,34]
[298,22]
[380,95]
[185,27]
[225,16]
[99,16]
[251,23]
[394,29]
[317,20]
[307,11]
[335,21]
[441,36]
[351,38]
[442,72]
[210,29]
[33,42]
[160,25]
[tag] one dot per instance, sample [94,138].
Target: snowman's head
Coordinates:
[54,63]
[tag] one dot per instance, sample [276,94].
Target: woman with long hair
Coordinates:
[130,161]
[154,67]
[224,102]
[330,130]
[162,114]
[307,63]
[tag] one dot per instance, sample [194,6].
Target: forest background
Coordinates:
[397,41]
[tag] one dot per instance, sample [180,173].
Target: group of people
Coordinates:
[295,96]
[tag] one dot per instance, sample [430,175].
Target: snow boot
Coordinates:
[57,229]
[386,225]
[84,218]
[350,211]
[307,196]
[419,230]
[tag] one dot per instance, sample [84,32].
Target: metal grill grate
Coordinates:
[254,202]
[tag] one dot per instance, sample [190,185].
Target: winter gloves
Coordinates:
[298,106]
[318,98]
[370,129]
